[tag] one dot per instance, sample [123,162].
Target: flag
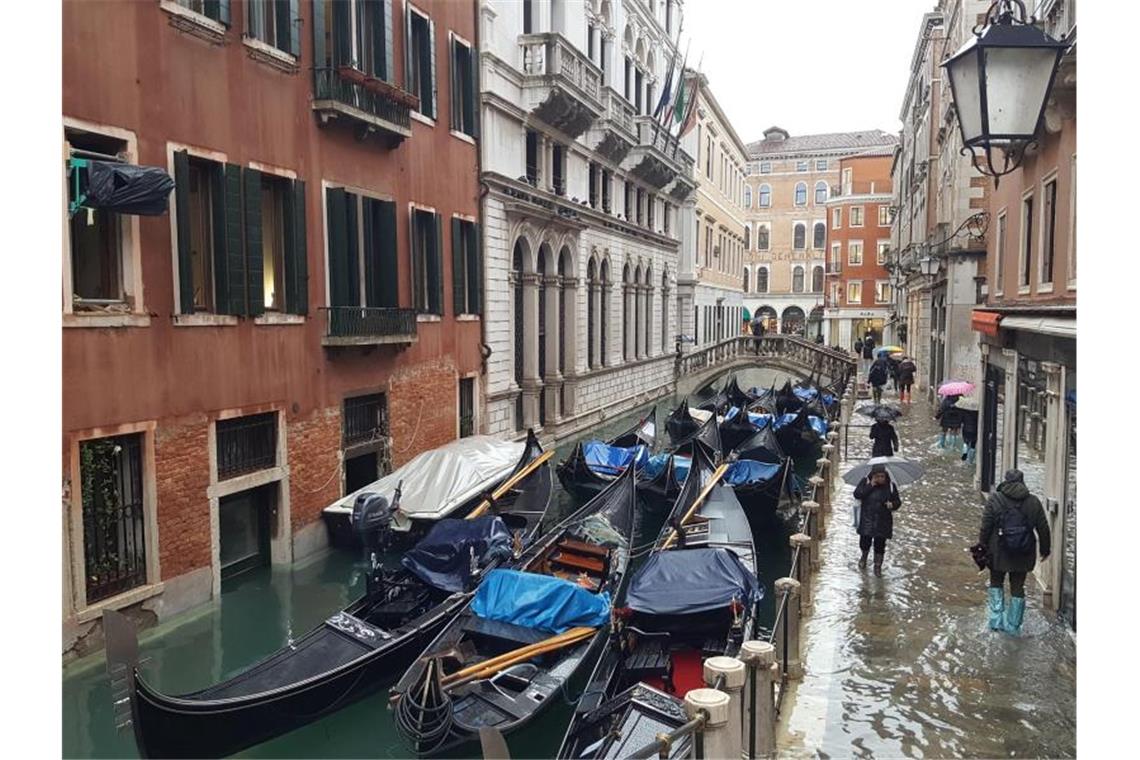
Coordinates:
[692,106]
[661,113]
[680,104]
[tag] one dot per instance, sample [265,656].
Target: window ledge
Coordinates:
[271,56]
[467,318]
[421,118]
[428,318]
[275,318]
[204,320]
[118,602]
[80,319]
[1023,290]
[463,136]
[1044,287]
[194,23]
[1072,285]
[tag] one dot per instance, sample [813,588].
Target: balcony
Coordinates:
[614,134]
[561,86]
[834,267]
[369,105]
[657,158]
[368,326]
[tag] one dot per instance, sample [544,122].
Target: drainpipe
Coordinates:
[484,347]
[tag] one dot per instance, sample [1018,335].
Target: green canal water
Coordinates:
[264,610]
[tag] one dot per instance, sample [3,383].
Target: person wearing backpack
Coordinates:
[1012,516]
[877,377]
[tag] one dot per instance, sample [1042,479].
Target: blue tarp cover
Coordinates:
[442,558]
[807,394]
[759,420]
[657,463]
[815,423]
[539,601]
[612,460]
[750,471]
[687,581]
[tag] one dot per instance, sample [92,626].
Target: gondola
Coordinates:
[680,424]
[356,650]
[593,465]
[801,434]
[696,596]
[735,395]
[505,657]
[663,475]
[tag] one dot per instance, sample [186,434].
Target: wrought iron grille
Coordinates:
[466,407]
[114,545]
[365,419]
[246,444]
[369,321]
[330,85]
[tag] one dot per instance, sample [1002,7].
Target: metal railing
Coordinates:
[114,545]
[246,444]
[550,54]
[812,357]
[363,323]
[653,135]
[377,100]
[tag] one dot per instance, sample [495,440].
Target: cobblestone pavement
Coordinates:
[905,665]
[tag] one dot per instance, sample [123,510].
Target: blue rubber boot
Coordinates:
[970,454]
[942,440]
[997,608]
[1014,614]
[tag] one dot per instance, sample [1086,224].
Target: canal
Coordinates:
[263,610]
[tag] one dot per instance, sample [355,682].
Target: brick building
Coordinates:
[859,297]
[304,316]
[789,180]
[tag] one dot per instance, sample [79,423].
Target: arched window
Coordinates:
[801,193]
[798,280]
[765,199]
[747,238]
[799,233]
[747,196]
[817,280]
[762,237]
[818,236]
[745,279]
[821,192]
[762,280]
[516,273]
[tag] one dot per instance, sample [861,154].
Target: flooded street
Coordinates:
[905,665]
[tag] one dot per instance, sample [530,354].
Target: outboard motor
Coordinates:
[372,521]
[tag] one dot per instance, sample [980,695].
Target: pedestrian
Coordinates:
[858,348]
[1011,517]
[907,370]
[885,438]
[868,349]
[757,333]
[878,499]
[819,338]
[969,419]
[893,366]
[877,377]
[950,418]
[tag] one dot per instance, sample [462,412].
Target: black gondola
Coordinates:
[798,438]
[346,658]
[565,581]
[680,424]
[655,652]
[584,476]
[661,481]
[735,395]
[736,429]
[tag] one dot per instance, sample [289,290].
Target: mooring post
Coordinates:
[760,699]
[735,674]
[790,651]
[820,490]
[807,565]
[816,520]
[713,740]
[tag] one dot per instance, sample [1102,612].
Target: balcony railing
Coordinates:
[834,267]
[568,85]
[619,112]
[367,325]
[375,105]
[658,158]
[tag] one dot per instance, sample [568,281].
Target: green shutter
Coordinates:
[458,282]
[339,286]
[389,45]
[471,92]
[351,209]
[296,252]
[437,262]
[371,254]
[219,10]
[374,12]
[319,52]
[474,269]
[408,52]
[389,254]
[293,32]
[182,217]
[254,254]
[229,288]
[434,87]
[417,244]
[453,83]
[342,33]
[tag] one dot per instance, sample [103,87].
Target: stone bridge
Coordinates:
[786,352]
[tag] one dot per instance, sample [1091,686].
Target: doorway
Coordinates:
[360,471]
[993,414]
[244,528]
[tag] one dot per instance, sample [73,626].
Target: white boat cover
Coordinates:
[438,481]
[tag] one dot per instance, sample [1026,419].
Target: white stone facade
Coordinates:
[583,211]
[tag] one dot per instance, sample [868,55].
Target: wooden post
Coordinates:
[790,653]
[807,565]
[760,699]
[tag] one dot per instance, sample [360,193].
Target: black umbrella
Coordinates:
[901,471]
[880,412]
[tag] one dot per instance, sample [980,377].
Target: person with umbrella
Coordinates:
[1011,517]
[907,370]
[878,499]
[886,440]
[949,416]
[757,331]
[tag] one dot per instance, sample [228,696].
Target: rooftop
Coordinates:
[779,141]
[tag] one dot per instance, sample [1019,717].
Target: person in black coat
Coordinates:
[969,433]
[907,370]
[1012,495]
[885,438]
[949,417]
[878,499]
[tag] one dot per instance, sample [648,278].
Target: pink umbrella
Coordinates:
[956,388]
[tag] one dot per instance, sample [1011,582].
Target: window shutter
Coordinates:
[296,252]
[352,204]
[454,85]
[372,252]
[389,254]
[342,33]
[472,82]
[339,286]
[230,289]
[437,263]
[219,10]
[434,91]
[418,247]
[474,269]
[408,53]
[254,256]
[374,10]
[458,281]
[293,19]
[389,45]
[182,216]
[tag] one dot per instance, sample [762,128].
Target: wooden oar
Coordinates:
[498,492]
[716,476]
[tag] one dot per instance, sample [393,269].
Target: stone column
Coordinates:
[628,317]
[718,731]
[594,304]
[553,378]
[1054,496]
[638,315]
[569,330]
[760,702]
[734,674]
[531,383]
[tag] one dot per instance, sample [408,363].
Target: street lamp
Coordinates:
[929,266]
[1000,81]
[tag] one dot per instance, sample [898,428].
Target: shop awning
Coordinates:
[1060,326]
[985,322]
[746,315]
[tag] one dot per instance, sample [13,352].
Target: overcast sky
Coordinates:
[809,66]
